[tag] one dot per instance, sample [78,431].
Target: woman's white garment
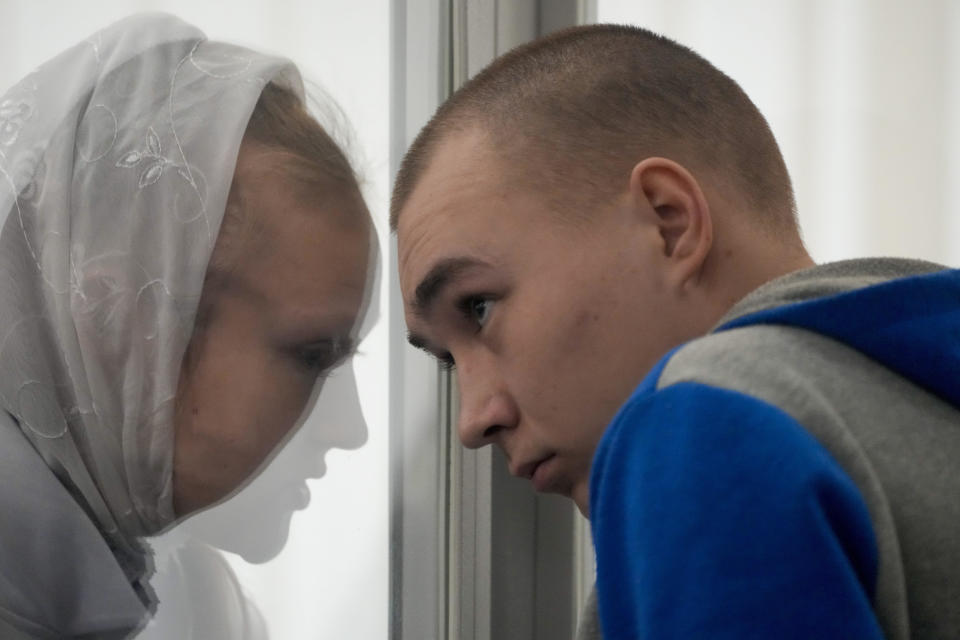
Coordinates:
[116,159]
[199,595]
[58,577]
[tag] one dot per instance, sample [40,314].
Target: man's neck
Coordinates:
[742,271]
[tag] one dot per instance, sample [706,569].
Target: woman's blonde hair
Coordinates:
[312,158]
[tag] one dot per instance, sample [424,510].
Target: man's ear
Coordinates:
[681,214]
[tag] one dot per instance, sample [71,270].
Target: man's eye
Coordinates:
[477,309]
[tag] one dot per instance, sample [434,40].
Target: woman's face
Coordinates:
[278,310]
[255,522]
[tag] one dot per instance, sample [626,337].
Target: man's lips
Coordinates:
[530,469]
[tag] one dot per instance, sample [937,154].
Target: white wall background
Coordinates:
[331,580]
[864,98]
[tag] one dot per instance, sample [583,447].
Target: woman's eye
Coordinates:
[322,356]
[316,359]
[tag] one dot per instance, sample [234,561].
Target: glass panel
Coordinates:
[330,577]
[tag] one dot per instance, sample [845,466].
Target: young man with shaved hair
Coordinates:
[598,231]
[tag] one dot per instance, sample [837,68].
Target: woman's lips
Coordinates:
[303,497]
[295,497]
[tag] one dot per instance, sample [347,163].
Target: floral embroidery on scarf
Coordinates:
[153,154]
[13,113]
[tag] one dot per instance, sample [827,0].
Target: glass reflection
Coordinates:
[178,277]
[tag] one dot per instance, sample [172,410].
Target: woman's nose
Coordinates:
[341,424]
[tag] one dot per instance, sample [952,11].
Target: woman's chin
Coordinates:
[255,532]
[263,545]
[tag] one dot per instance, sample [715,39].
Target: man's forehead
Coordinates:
[461,160]
[449,200]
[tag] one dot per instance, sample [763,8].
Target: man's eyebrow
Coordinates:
[423,344]
[439,278]
[417,341]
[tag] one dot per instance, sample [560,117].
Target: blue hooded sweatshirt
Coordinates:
[796,472]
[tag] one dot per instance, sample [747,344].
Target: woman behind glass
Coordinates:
[184,254]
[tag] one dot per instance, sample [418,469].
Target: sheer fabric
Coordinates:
[116,159]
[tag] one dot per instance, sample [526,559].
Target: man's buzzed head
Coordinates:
[585,204]
[572,113]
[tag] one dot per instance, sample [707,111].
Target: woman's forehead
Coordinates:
[299,264]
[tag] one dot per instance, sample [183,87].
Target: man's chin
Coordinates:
[580,494]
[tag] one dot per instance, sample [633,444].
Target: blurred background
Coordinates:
[409,536]
[864,98]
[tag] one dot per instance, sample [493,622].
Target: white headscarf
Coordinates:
[116,159]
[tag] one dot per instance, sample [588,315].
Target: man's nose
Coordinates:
[486,407]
